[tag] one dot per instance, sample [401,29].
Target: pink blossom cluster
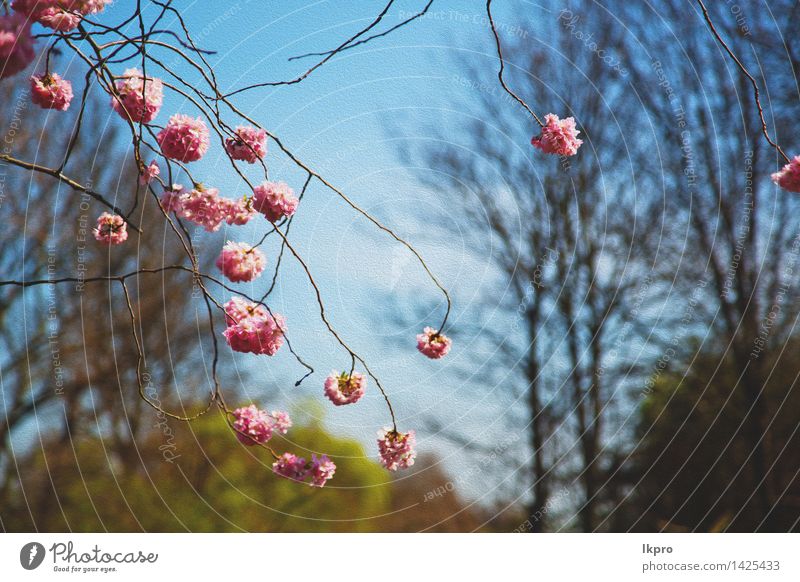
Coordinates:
[241,262]
[343,388]
[789,176]
[147,173]
[16,44]
[255,426]
[319,470]
[396,449]
[252,425]
[290,466]
[50,91]
[87,7]
[111,229]
[202,206]
[249,145]
[205,207]
[137,98]
[58,19]
[185,138]
[433,344]
[274,200]
[172,199]
[61,15]
[252,329]
[238,211]
[559,136]
[281,421]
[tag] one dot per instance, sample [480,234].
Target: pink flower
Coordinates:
[789,176]
[281,421]
[274,200]
[236,309]
[50,91]
[16,44]
[344,388]
[204,207]
[172,199]
[58,19]
[321,470]
[249,145]
[290,466]
[253,426]
[241,262]
[111,229]
[32,8]
[396,449]
[558,136]
[138,98]
[61,15]
[184,138]
[252,329]
[147,173]
[433,344]
[86,7]
[238,211]
[29,7]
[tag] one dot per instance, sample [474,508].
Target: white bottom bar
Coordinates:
[388,557]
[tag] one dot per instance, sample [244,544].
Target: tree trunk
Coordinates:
[537,508]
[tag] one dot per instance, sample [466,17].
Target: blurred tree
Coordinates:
[664,227]
[67,359]
[575,245]
[692,465]
[741,233]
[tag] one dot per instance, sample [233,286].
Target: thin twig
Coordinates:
[502,65]
[744,70]
[69,182]
[419,14]
[330,55]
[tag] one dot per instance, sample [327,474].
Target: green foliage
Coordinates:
[212,484]
[692,467]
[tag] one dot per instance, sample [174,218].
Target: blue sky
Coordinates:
[347,121]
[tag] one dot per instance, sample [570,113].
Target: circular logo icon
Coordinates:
[31,555]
